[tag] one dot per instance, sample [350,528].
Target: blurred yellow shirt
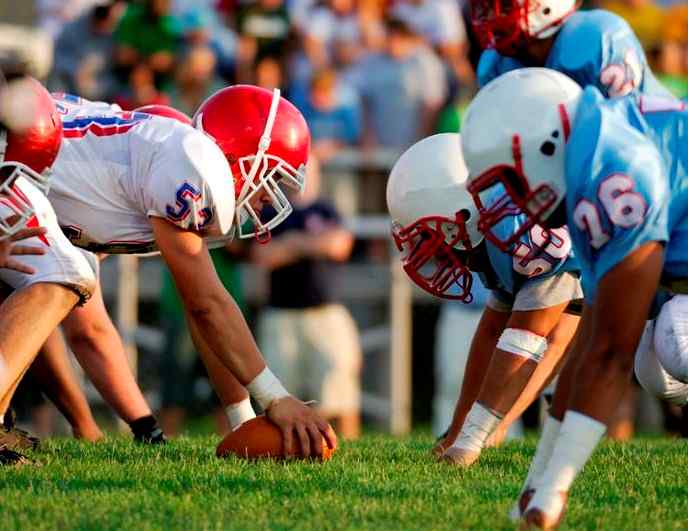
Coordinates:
[647,20]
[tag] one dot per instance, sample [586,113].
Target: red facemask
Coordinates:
[430,261]
[517,199]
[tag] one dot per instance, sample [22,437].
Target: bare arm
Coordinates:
[214,315]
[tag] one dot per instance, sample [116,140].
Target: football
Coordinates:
[256,438]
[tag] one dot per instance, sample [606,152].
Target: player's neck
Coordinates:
[536,52]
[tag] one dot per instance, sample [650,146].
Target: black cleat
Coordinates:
[11,458]
[13,438]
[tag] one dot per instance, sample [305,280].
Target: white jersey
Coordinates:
[116,169]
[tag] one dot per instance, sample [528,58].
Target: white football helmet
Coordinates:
[506,24]
[433,215]
[514,141]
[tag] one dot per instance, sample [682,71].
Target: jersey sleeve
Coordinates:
[612,58]
[190,186]
[492,65]
[622,208]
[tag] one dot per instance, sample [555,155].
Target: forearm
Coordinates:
[220,322]
[227,387]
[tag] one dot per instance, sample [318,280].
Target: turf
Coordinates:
[375,483]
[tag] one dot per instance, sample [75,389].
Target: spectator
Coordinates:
[195,79]
[441,24]
[263,27]
[141,90]
[333,115]
[269,74]
[402,89]
[310,341]
[333,34]
[148,34]
[54,14]
[83,53]
[674,53]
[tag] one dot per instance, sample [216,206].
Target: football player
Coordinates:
[616,171]
[551,33]
[130,182]
[529,319]
[63,277]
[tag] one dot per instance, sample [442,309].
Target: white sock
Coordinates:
[543,452]
[478,426]
[579,435]
[239,412]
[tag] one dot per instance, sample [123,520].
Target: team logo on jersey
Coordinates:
[187,199]
[622,78]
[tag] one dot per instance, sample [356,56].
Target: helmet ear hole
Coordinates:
[546,11]
[464,214]
[548,148]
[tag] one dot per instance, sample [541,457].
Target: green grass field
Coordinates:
[375,483]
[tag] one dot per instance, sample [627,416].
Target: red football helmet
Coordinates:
[506,24]
[30,132]
[266,142]
[166,111]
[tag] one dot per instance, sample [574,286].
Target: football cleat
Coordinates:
[521,504]
[13,438]
[460,457]
[9,457]
[536,518]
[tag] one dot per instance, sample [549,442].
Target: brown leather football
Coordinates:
[258,438]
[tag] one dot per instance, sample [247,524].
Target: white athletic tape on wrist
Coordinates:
[523,343]
[265,388]
[578,437]
[478,426]
[239,412]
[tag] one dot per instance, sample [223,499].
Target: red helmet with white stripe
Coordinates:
[166,111]
[266,142]
[30,131]
[514,142]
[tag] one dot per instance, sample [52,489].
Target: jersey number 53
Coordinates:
[623,207]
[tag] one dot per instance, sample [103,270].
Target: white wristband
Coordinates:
[265,388]
[478,426]
[239,412]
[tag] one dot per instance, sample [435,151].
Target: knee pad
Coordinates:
[651,374]
[523,343]
[671,337]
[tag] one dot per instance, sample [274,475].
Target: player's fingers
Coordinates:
[329,434]
[27,249]
[28,233]
[316,439]
[288,436]
[16,265]
[304,439]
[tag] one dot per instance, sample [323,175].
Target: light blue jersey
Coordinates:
[627,182]
[593,48]
[535,257]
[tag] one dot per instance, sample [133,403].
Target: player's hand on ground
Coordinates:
[302,427]
[459,457]
[9,248]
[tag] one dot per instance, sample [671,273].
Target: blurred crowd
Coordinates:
[365,73]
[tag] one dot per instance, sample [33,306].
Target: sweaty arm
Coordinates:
[216,317]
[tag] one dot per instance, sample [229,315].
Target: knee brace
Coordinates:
[523,343]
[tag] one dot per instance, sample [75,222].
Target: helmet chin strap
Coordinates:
[263,143]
